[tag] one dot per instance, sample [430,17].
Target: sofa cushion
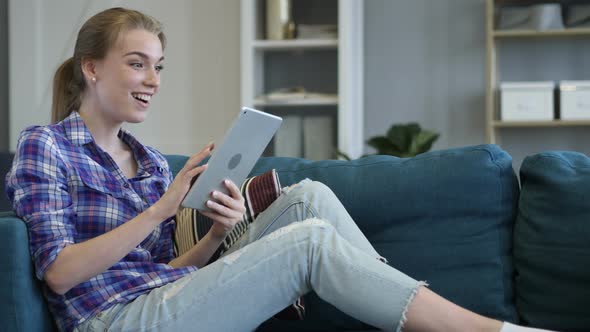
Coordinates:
[552,241]
[23,309]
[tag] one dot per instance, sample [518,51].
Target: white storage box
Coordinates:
[526,101]
[574,100]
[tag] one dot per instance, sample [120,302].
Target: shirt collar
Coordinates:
[79,135]
[145,159]
[76,130]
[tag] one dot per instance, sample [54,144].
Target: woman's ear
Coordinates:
[88,67]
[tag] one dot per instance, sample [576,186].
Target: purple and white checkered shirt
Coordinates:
[68,190]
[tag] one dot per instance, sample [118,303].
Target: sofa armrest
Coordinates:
[23,307]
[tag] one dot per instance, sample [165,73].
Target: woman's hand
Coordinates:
[226,210]
[168,204]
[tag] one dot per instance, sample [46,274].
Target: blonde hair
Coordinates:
[94,40]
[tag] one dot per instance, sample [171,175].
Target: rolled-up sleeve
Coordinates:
[37,186]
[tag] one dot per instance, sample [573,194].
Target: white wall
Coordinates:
[425,62]
[200,90]
[3,75]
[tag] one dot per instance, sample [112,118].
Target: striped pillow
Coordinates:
[259,192]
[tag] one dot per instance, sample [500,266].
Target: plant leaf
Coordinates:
[401,135]
[383,145]
[423,141]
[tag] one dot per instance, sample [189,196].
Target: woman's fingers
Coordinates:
[192,168]
[234,201]
[197,170]
[224,210]
[234,191]
[226,222]
[198,157]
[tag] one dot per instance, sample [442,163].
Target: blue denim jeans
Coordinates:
[304,241]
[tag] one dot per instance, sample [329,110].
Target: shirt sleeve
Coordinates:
[37,186]
[164,251]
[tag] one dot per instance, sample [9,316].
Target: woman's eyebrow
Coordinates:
[141,54]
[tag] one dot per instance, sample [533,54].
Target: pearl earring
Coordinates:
[93,80]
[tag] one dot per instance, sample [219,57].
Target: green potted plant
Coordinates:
[402,140]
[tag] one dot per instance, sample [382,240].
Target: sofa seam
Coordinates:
[498,233]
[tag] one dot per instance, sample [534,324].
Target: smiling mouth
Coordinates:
[142,98]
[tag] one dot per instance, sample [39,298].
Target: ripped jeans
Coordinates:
[304,241]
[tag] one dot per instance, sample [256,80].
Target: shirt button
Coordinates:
[126,185]
[160,169]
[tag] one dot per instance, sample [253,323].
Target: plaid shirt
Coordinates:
[68,190]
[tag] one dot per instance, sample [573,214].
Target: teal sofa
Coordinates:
[457,218]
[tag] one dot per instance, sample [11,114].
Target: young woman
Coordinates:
[99,207]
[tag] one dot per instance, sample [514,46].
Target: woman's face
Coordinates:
[129,76]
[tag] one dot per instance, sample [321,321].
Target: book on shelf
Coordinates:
[296,95]
[317,31]
[318,137]
[289,137]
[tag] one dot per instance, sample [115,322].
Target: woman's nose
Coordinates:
[153,78]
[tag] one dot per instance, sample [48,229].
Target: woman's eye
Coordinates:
[137,65]
[159,68]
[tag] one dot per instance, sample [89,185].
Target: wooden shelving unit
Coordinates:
[493,37]
[554,123]
[324,66]
[301,44]
[532,33]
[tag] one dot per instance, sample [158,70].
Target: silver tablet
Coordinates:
[235,157]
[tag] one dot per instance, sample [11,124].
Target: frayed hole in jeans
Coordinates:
[285,190]
[231,258]
[287,229]
[175,288]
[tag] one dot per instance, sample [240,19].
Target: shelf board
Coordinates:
[547,33]
[532,124]
[326,101]
[295,44]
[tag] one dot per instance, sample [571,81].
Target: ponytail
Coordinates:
[66,91]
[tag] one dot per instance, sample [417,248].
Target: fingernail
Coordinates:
[209,203]
[226,181]
[214,194]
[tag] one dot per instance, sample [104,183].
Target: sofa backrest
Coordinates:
[552,241]
[23,308]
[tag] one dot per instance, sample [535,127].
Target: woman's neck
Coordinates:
[104,131]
